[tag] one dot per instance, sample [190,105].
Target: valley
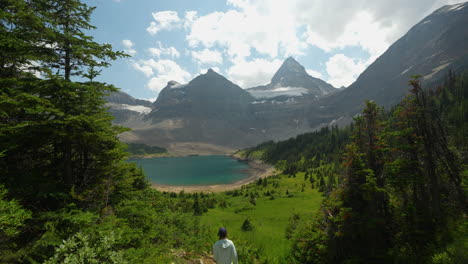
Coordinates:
[300,128]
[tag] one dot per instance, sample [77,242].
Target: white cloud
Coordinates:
[164,20]
[253,73]
[207,56]
[128,45]
[189,18]
[313,73]
[365,23]
[270,31]
[361,31]
[161,51]
[161,71]
[145,69]
[343,70]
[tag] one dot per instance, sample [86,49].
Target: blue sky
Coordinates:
[247,40]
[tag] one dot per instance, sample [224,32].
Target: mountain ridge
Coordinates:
[210,109]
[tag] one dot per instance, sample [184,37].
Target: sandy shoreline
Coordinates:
[256,171]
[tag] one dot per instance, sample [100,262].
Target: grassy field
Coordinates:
[269,216]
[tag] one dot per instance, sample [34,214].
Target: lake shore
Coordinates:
[189,149]
[256,170]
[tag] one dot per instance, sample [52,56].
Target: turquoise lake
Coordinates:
[193,170]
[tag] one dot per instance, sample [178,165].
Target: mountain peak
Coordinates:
[289,68]
[291,61]
[212,72]
[172,83]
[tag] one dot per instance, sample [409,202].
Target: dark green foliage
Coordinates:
[142,149]
[259,181]
[12,222]
[247,225]
[402,189]
[293,224]
[305,151]
[197,208]
[253,199]
[452,103]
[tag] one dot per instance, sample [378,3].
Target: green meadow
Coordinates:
[269,208]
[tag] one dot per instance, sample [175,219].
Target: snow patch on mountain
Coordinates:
[289,91]
[258,102]
[135,108]
[178,86]
[455,7]
[405,71]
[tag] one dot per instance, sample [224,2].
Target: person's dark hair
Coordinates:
[222,233]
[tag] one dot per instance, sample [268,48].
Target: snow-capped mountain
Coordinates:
[292,80]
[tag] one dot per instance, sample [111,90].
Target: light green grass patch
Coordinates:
[269,217]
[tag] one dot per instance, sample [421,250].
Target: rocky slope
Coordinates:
[430,48]
[211,112]
[126,109]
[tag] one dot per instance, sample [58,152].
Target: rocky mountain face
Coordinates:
[430,48]
[208,110]
[212,113]
[127,109]
[123,98]
[209,95]
[292,80]
[211,110]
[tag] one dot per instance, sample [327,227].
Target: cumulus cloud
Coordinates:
[160,50]
[343,70]
[270,31]
[164,20]
[189,18]
[161,72]
[365,23]
[145,69]
[207,56]
[253,73]
[128,45]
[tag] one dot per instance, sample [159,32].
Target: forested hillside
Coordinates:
[401,196]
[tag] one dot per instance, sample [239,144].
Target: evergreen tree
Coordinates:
[197,209]
[59,147]
[247,225]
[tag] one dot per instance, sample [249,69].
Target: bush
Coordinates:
[247,225]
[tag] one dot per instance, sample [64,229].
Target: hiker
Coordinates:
[224,250]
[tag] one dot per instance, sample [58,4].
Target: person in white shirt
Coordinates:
[224,250]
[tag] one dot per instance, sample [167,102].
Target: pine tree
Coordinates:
[56,133]
[247,225]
